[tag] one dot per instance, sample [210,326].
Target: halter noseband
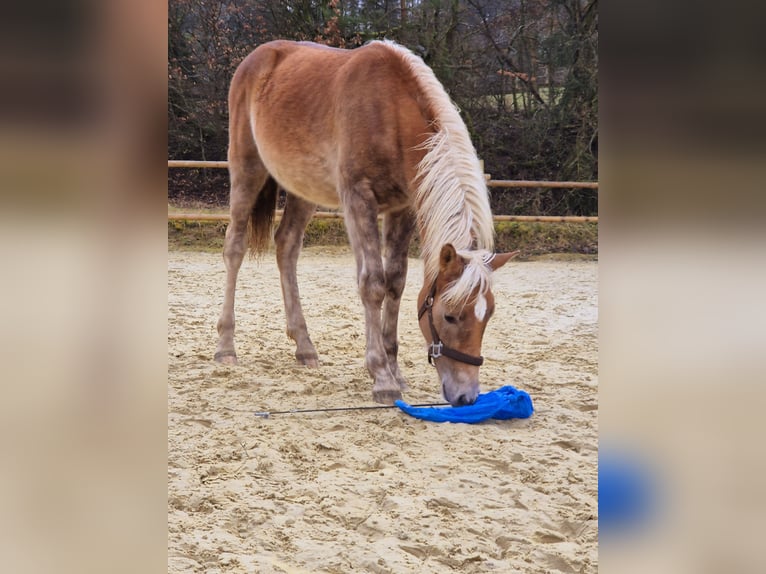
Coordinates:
[436,349]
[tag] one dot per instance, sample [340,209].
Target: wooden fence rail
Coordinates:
[334,215]
[195,163]
[337,215]
[525,183]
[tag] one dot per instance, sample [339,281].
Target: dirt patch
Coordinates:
[377,491]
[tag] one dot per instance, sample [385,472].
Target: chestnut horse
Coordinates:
[373,131]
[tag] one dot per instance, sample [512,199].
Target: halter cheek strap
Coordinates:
[436,349]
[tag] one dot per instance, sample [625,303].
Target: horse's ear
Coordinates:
[450,263]
[501,259]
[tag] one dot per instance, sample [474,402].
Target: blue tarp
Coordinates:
[504,403]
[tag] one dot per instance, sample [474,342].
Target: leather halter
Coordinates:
[436,349]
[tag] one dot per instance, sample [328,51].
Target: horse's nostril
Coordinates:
[463,400]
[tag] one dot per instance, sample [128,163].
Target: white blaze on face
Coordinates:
[480,309]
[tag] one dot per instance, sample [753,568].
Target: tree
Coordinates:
[523,72]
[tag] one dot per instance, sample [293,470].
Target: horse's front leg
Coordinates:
[361,214]
[397,233]
[289,240]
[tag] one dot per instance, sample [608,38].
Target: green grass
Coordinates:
[196,235]
[534,240]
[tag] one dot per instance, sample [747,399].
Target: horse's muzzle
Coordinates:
[460,395]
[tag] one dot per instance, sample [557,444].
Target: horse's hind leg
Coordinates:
[289,240]
[397,233]
[248,178]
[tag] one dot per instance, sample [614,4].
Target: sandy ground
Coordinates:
[377,491]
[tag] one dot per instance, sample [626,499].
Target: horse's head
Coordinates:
[453,313]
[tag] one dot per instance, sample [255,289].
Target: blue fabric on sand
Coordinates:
[504,403]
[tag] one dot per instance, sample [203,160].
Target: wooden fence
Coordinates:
[335,215]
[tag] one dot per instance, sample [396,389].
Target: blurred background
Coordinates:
[682,272]
[83,139]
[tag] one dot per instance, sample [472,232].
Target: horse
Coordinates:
[373,132]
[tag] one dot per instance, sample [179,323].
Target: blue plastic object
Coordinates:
[504,403]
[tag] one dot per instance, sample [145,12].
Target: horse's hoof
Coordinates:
[386,397]
[308,360]
[225,357]
[399,378]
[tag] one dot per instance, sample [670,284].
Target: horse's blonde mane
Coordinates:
[451,199]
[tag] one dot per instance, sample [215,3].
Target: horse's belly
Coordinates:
[305,178]
[311,190]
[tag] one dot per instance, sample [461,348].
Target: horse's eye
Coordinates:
[450,319]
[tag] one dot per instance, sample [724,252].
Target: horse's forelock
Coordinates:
[473,284]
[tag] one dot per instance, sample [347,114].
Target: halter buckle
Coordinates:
[435,350]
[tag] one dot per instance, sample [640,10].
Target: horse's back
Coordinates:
[308,62]
[291,81]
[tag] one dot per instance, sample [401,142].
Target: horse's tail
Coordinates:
[260,229]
